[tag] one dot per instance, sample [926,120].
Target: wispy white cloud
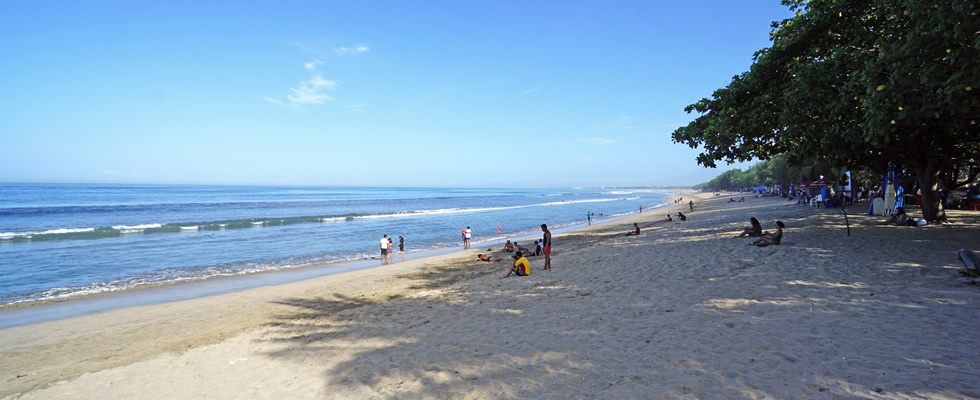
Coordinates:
[356,49]
[623,123]
[358,107]
[310,91]
[274,101]
[527,92]
[311,65]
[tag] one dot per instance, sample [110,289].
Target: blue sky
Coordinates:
[420,93]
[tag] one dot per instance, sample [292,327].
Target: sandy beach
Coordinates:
[684,310]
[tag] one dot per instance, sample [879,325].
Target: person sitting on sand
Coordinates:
[669,219]
[537,247]
[522,267]
[508,247]
[898,217]
[681,216]
[754,231]
[771,238]
[635,232]
[487,258]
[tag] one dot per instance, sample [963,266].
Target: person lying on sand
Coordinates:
[487,258]
[755,230]
[771,238]
[522,267]
[898,217]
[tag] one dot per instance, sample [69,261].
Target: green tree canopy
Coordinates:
[855,83]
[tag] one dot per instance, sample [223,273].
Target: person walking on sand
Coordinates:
[546,243]
[467,235]
[401,248]
[384,249]
[692,205]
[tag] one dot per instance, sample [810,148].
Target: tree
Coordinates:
[855,83]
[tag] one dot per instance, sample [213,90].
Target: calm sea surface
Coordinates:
[64,240]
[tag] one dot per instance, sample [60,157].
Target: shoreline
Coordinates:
[31,312]
[683,310]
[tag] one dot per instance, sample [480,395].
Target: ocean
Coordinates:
[60,241]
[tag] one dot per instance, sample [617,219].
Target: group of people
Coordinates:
[388,250]
[522,267]
[512,247]
[764,238]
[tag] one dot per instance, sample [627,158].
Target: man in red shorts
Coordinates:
[547,247]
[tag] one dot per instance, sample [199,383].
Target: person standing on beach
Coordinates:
[467,235]
[384,249]
[692,205]
[588,216]
[547,247]
[391,250]
[401,247]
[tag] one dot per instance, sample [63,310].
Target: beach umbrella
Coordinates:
[760,188]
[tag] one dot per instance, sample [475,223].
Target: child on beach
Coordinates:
[635,232]
[522,267]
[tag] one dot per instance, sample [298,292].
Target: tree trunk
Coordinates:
[932,207]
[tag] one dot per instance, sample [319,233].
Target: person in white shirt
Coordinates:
[384,250]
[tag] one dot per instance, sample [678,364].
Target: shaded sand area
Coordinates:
[682,311]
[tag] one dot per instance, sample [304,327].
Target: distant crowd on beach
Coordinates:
[521,266]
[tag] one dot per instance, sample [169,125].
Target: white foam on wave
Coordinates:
[189,228]
[30,234]
[444,211]
[135,227]
[258,222]
[333,219]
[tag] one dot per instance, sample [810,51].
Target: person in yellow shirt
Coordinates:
[522,267]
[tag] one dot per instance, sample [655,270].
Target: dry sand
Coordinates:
[682,311]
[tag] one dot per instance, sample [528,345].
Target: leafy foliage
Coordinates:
[855,83]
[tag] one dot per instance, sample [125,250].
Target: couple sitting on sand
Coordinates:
[767,238]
